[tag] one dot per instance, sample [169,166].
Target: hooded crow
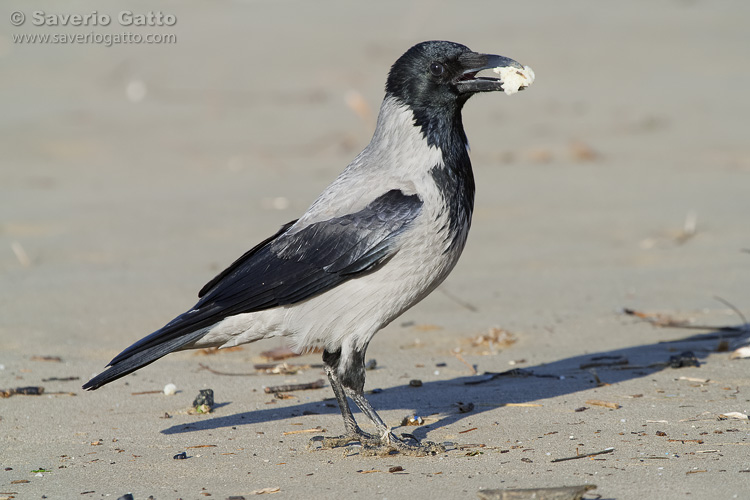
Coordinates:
[378,240]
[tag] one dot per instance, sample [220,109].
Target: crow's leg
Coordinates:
[386,436]
[349,423]
[388,443]
[350,382]
[353,432]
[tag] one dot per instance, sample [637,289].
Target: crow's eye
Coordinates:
[437,69]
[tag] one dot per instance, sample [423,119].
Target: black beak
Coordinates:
[468,82]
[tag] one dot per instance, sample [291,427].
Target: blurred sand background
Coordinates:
[131,174]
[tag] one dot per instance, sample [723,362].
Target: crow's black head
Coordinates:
[436,78]
[442,74]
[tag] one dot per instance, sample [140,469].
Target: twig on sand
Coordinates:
[21,255]
[465,305]
[606,450]
[302,431]
[604,364]
[217,372]
[514,372]
[734,308]
[462,360]
[318,384]
[668,322]
[559,493]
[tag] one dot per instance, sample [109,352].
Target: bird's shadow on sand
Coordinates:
[563,377]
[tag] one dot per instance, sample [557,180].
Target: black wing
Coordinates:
[282,270]
[245,257]
[290,268]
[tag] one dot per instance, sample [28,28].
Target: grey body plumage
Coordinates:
[380,238]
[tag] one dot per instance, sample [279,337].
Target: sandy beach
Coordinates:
[131,174]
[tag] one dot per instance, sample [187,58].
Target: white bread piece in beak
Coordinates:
[514,79]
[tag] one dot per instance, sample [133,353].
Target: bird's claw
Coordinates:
[387,444]
[393,446]
[339,441]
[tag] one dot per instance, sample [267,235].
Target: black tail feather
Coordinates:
[122,366]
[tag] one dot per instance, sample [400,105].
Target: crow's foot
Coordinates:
[409,445]
[383,446]
[338,441]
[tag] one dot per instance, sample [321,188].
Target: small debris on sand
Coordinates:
[265,491]
[493,340]
[203,403]
[683,359]
[22,391]
[464,407]
[560,493]
[733,414]
[411,421]
[740,353]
